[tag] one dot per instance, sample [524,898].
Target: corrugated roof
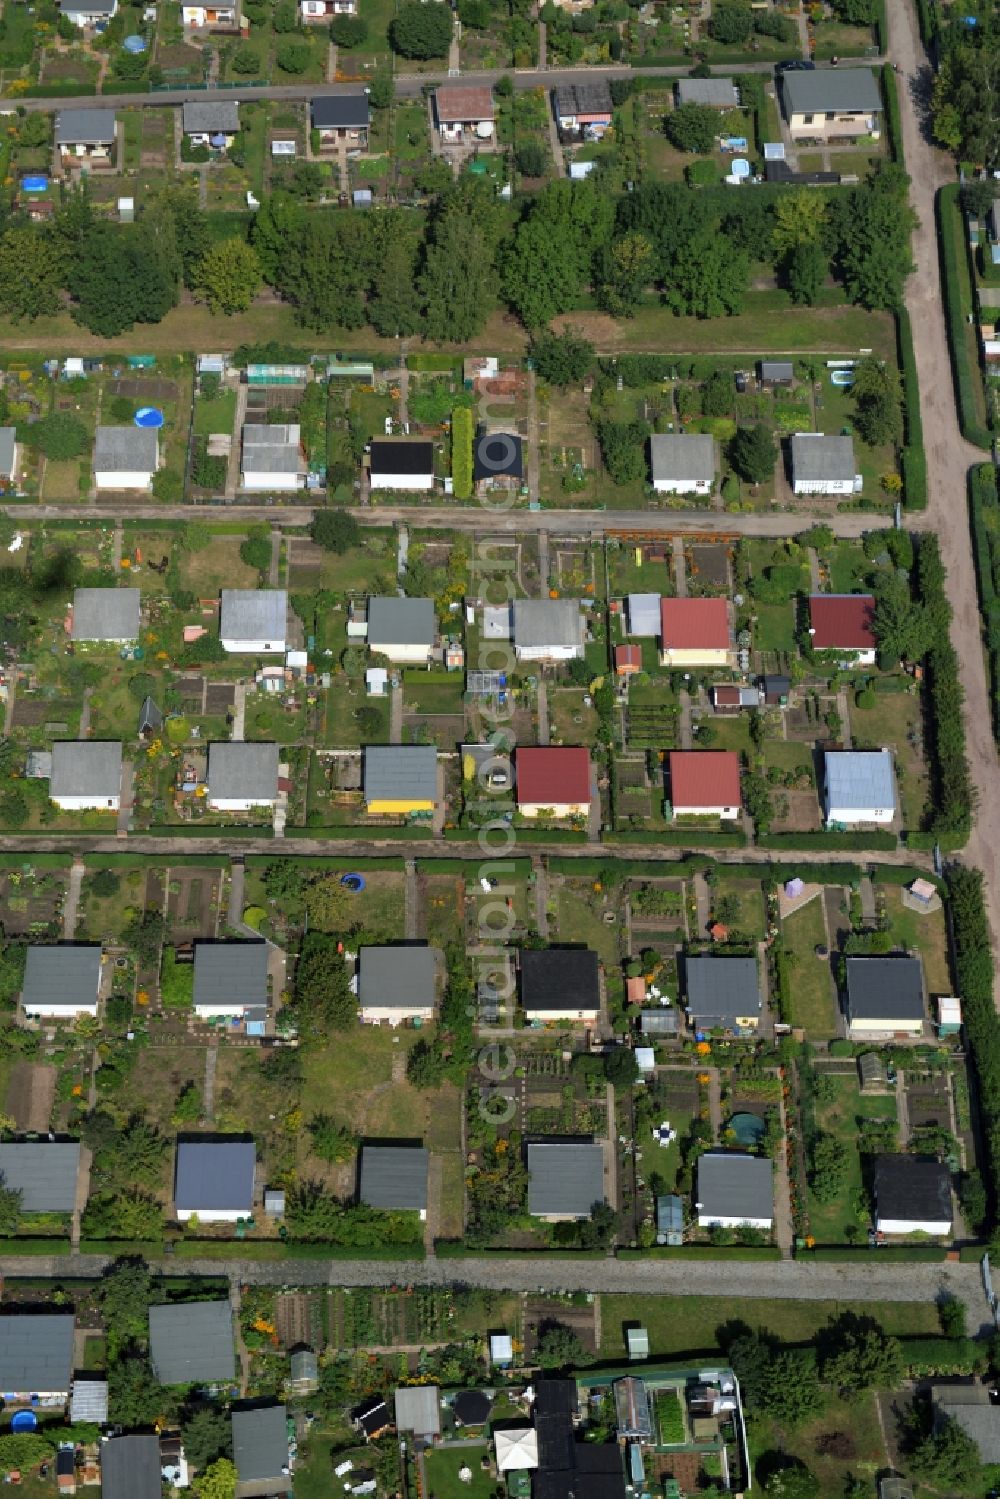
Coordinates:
[644,614]
[192,1342]
[260,1448]
[130,1468]
[85,127]
[547,622]
[67,975]
[732,1185]
[253,614]
[36,1352]
[215,1174]
[704,778]
[683,455]
[842,621]
[401,772]
[588,98]
[89,1401]
[86,767]
[551,774]
[125,450]
[859,780]
[395,621]
[722,988]
[885,988]
[659,1022]
[565,1177]
[347,111]
[211,118]
[105,614]
[43,1171]
[816,456]
[836,90]
[230,973]
[394,1176]
[694,624]
[719,93]
[389,977]
[560,978]
[418,1409]
[780,370]
[457,102]
[241,771]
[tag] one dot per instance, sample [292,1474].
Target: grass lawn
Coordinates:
[848,567]
[442,1468]
[810,980]
[896,723]
[775,627]
[218,566]
[433,697]
[691,1324]
[570,720]
[840,1117]
[728,733]
[923,934]
[844,1439]
[342,730]
[749,895]
[354,1078]
[216,415]
[580,920]
[788,754]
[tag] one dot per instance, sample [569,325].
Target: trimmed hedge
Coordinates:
[407,833]
[149,1249]
[461,452]
[158,861]
[986,554]
[951,785]
[831,841]
[913,459]
[36,1248]
[915,1254]
[702,1252]
[38,861]
[275,1249]
[893,122]
[204,830]
[951,242]
[521,835]
[456,1249]
[65,89]
[923,1356]
[681,838]
[973,962]
[391,864]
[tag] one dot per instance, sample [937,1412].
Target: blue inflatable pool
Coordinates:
[148,416]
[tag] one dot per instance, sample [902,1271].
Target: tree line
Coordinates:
[439,271]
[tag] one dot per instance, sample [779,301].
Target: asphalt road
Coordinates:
[408,85]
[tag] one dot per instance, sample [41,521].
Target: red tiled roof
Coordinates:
[704,778]
[463,101]
[635,991]
[552,776]
[726,697]
[687,624]
[842,621]
[628,658]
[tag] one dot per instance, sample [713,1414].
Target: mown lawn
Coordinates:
[829,1221]
[813,998]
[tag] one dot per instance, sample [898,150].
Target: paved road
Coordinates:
[736,1280]
[408,85]
[486,522]
[949,456]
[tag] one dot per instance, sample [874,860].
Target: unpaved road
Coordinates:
[949,456]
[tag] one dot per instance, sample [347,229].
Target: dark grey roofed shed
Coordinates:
[105,614]
[86,767]
[215,1175]
[36,1352]
[565,1178]
[394,1176]
[401,772]
[67,975]
[230,974]
[260,1451]
[885,988]
[394,977]
[130,1468]
[192,1342]
[394,621]
[722,989]
[43,1171]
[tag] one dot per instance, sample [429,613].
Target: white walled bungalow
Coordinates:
[273,459]
[824,465]
[85,136]
[682,462]
[831,104]
[860,787]
[242,776]
[61,981]
[548,629]
[125,457]
[212,124]
[403,630]
[912,1196]
[397,983]
[253,621]
[230,978]
[214,1180]
[86,774]
[106,615]
[401,463]
[86,13]
[734,1190]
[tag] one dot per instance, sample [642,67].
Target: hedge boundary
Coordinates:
[983,486]
[831,841]
[915,1254]
[680,838]
[950,246]
[913,459]
[973,963]
[702,1252]
[890,96]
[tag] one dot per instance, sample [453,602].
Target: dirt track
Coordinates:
[949,456]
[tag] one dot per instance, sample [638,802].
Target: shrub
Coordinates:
[951,244]
[461,452]
[348,31]
[974,972]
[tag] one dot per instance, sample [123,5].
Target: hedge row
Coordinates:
[681,838]
[205,830]
[831,841]
[158,861]
[923,1356]
[915,1253]
[275,1249]
[893,122]
[149,1249]
[951,786]
[391,864]
[410,832]
[954,274]
[983,499]
[457,1249]
[64,89]
[973,960]
[37,861]
[519,835]
[913,458]
[461,452]
[36,1248]
[702,1252]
